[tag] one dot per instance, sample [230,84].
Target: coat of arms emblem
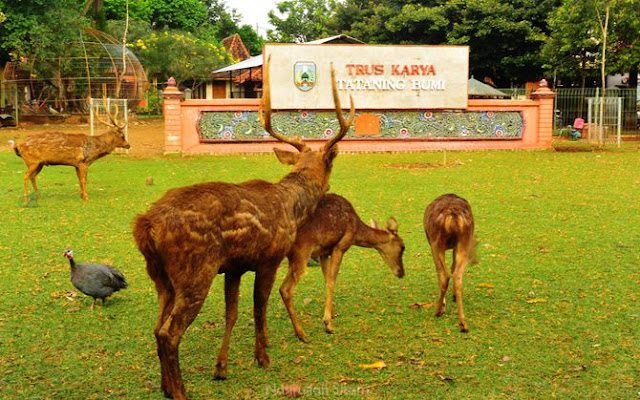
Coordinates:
[304,75]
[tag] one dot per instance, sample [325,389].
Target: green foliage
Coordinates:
[38,29]
[138,10]
[251,39]
[574,41]
[504,36]
[574,49]
[184,15]
[181,55]
[553,305]
[223,21]
[301,21]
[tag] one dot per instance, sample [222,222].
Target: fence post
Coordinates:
[546,114]
[171,112]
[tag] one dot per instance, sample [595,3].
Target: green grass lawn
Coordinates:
[553,305]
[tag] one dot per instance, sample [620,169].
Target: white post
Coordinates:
[590,119]
[619,120]
[91,116]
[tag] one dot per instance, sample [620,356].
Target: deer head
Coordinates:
[392,249]
[117,128]
[318,162]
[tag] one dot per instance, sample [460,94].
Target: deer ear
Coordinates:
[392,226]
[286,157]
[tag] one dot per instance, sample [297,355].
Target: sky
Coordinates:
[254,12]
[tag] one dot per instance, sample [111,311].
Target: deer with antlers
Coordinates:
[194,233]
[73,149]
[332,229]
[448,224]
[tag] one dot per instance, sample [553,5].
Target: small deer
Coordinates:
[332,229]
[194,233]
[73,149]
[448,224]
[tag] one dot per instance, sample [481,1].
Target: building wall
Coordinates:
[231,125]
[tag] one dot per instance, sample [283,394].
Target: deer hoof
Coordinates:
[263,360]
[220,372]
[303,337]
[328,327]
[464,328]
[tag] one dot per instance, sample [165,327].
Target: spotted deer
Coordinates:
[332,229]
[195,232]
[73,149]
[448,224]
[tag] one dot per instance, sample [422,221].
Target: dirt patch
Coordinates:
[573,149]
[146,136]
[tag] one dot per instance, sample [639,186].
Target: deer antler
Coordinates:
[344,125]
[265,113]
[113,117]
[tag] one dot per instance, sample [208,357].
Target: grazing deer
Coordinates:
[332,229]
[194,233]
[73,149]
[448,223]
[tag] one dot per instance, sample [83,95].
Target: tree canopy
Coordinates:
[180,38]
[511,41]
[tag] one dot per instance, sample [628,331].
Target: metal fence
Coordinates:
[620,105]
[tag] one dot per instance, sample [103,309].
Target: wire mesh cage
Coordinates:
[94,67]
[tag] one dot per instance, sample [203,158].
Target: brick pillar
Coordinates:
[172,121]
[546,115]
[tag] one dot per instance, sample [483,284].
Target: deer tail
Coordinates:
[142,232]
[457,223]
[453,222]
[12,144]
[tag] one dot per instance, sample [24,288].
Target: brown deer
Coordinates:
[332,229]
[74,149]
[448,223]
[194,233]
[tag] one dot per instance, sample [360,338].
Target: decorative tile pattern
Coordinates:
[244,125]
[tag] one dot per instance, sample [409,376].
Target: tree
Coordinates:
[188,59]
[251,39]
[39,29]
[576,46]
[302,21]
[572,47]
[504,36]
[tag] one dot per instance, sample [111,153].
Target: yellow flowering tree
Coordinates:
[190,60]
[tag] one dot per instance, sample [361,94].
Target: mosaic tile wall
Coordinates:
[244,125]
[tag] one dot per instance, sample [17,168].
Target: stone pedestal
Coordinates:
[546,115]
[172,118]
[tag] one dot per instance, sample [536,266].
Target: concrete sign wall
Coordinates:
[378,77]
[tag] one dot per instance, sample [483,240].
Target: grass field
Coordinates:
[553,305]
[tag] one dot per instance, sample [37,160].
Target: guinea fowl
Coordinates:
[96,280]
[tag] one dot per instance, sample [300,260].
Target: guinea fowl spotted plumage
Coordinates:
[96,280]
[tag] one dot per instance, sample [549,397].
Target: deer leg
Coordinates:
[443,278]
[460,262]
[330,270]
[166,297]
[32,171]
[265,277]
[297,267]
[231,293]
[81,171]
[188,301]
